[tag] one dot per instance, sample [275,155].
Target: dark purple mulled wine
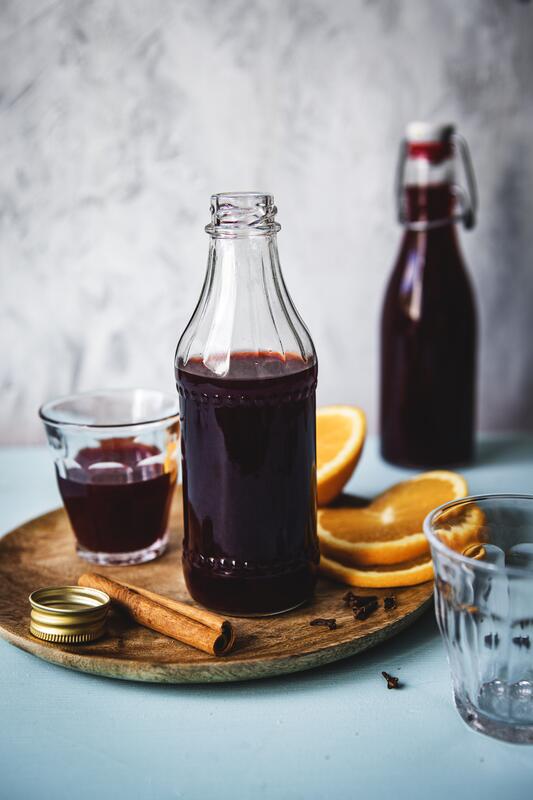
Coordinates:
[428,343]
[118,496]
[249,482]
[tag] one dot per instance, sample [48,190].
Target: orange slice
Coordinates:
[463,529]
[389,530]
[408,573]
[170,464]
[340,435]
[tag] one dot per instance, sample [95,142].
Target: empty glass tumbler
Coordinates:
[115,454]
[484,609]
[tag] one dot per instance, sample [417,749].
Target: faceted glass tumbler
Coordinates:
[115,454]
[482,550]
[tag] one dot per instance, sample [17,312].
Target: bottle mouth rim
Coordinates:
[236,214]
[423,132]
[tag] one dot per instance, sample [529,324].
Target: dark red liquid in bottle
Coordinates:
[122,506]
[249,485]
[428,343]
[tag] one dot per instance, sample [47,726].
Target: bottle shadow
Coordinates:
[404,645]
[403,648]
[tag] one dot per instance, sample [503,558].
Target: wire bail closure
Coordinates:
[467,199]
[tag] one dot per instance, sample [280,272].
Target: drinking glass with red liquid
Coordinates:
[428,324]
[246,373]
[115,456]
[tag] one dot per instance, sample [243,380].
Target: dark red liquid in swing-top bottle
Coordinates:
[428,325]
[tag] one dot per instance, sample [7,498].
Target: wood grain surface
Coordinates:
[42,553]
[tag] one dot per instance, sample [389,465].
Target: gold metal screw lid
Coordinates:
[68,614]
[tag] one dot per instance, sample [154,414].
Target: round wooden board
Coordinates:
[41,553]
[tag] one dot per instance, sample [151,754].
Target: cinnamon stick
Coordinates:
[201,615]
[205,631]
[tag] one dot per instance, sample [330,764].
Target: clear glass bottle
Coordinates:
[428,324]
[246,373]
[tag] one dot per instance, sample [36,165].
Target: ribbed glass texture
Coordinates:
[484,609]
[244,305]
[115,457]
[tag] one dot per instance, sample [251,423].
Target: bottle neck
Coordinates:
[243,256]
[431,203]
[248,259]
[426,186]
[427,192]
[244,307]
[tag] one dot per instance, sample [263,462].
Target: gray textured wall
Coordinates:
[119,119]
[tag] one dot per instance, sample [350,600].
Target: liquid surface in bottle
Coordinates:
[428,343]
[249,482]
[121,506]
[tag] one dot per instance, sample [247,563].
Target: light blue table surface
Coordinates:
[335,732]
